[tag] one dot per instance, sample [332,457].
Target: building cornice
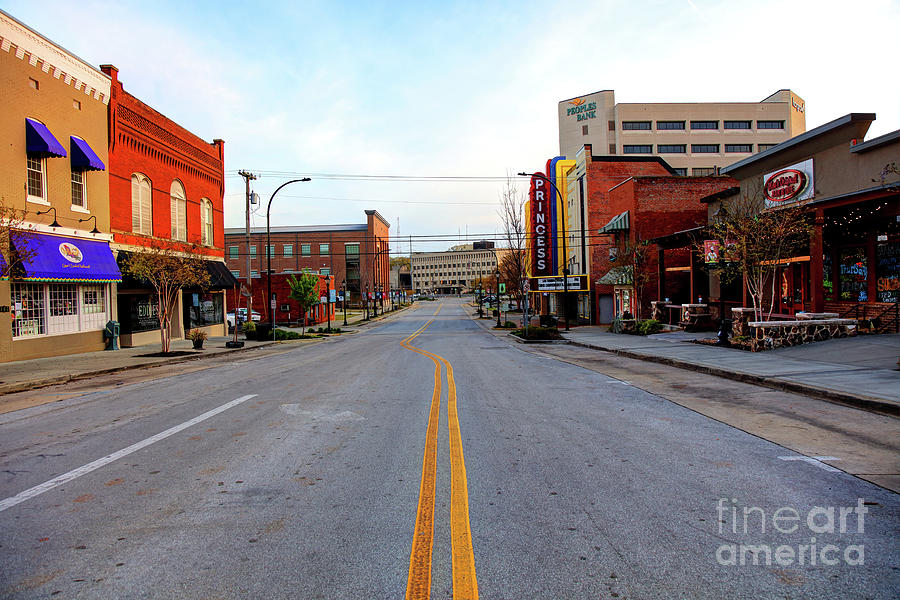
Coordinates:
[52,59]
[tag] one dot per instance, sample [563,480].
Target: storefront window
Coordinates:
[854,275]
[203,309]
[827,272]
[887,272]
[57,308]
[138,313]
[29,316]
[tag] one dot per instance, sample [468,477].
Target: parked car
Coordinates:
[241,316]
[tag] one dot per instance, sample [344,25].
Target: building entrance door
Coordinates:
[793,288]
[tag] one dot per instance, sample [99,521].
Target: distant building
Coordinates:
[357,254]
[695,138]
[452,271]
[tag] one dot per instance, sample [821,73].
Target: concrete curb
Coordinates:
[860,401]
[23,386]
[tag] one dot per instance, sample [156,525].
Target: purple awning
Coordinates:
[39,140]
[58,258]
[83,156]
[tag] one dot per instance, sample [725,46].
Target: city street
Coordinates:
[425,456]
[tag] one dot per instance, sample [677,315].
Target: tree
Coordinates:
[16,247]
[754,243]
[512,262]
[635,257]
[305,292]
[168,271]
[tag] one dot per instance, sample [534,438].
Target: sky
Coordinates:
[341,91]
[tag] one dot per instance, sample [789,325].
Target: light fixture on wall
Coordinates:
[94,217]
[44,212]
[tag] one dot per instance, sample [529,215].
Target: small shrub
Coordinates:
[538,333]
[648,327]
[281,334]
[249,326]
[196,334]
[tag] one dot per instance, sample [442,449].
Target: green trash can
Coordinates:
[111,335]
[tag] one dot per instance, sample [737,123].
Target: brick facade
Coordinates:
[658,206]
[282,291]
[142,140]
[370,266]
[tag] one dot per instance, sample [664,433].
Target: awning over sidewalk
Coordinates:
[618,223]
[59,258]
[220,277]
[617,276]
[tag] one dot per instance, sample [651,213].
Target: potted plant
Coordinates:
[197,336]
[249,330]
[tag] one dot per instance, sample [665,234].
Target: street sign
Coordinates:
[577,283]
[323,299]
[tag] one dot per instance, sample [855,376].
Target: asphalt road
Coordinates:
[300,475]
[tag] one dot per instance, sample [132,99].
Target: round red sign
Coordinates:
[785,185]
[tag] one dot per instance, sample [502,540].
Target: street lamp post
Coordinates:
[366,297]
[344,300]
[564,234]
[269,254]
[498,298]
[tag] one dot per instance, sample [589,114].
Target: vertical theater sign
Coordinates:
[541,200]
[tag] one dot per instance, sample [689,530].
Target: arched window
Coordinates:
[141,205]
[179,212]
[206,222]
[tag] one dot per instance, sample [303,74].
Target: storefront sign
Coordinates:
[540,223]
[789,185]
[711,251]
[577,283]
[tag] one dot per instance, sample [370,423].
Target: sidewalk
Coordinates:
[17,376]
[860,371]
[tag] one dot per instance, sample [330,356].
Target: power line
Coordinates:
[408,178]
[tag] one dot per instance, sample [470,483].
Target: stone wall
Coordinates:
[768,335]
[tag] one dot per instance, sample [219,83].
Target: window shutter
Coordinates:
[146,213]
[135,204]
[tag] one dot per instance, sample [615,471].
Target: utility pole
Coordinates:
[248,177]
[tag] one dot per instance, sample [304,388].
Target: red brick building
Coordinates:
[287,311]
[648,207]
[613,202]
[354,253]
[166,185]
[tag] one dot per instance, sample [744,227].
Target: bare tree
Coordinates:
[16,248]
[168,271]
[512,262]
[754,242]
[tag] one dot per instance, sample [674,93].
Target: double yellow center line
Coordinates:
[465,585]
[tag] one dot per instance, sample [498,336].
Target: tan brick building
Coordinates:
[693,137]
[53,161]
[456,270]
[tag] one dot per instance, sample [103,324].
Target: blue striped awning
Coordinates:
[58,258]
[39,140]
[83,156]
